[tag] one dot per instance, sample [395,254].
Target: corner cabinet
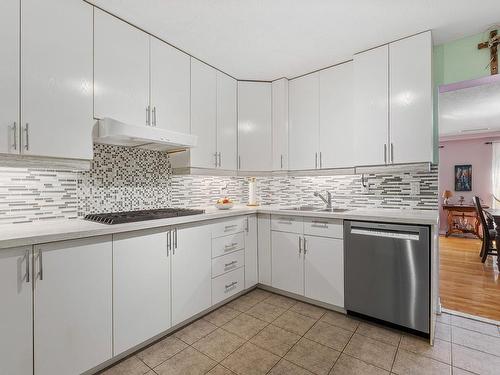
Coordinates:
[254,126]
[393,111]
[73,305]
[16,283]
[280,124]
[227,108]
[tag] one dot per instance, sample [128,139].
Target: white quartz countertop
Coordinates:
[13,235]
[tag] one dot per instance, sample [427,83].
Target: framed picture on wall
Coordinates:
[463,177]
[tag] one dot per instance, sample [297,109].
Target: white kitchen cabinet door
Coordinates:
[304,123]
[411,121]
[287,262]
[9,76]
[121,71]
[371,109]
[191,272]
[251,263]
[16,338]
[324,270]
[56,81]
[203,114]
[280,124]
[73,305]
[170,87]
[227,119]
[264,248]
[254,126]
[141,287]
[336,140]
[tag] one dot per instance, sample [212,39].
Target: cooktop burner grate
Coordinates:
[142,215]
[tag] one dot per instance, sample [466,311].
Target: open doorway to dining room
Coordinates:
[469,184]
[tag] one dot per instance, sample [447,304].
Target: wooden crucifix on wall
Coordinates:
[492,43]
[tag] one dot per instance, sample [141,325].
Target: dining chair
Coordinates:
[488,246]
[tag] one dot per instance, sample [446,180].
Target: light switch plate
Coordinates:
[414,188]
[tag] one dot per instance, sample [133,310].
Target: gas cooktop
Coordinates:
[132,216]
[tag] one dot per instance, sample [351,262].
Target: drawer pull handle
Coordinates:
[320,224]
[228,227]
[231,245]
[285,221]
[231,263]
[231,285]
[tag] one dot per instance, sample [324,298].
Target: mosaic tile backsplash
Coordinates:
[131,179]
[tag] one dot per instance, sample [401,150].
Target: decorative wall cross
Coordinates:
[492,43]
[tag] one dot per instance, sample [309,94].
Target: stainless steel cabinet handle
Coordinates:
[154,116]
[219,159]
[231,285]
[169,241]
[316,160]
[319,224]
[28,266]
[228,246]
[247,225]
[281,161]
[305,249]
[27,136]
[175,238]
[147,115]
[385,153]
[392,152]
[239,162]
[300,245]
[228,227]
[216,160]
[40,265]
[14,131]
[230,263]
[320,160]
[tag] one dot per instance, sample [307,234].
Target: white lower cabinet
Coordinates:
[141,287]
[226,285]
[264,248]
[324,269]
[305,264]
[287,262]
[16,338]
[73,305]
[251,261]
[191,271]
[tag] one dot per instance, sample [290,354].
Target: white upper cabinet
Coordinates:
[204,114]
[9,76]
[304,123]
[170,87]
[336,133]
[73,312]
[226,121]
[371,110]
[56,78]
[411,119]
[141,277]
[121,71]
[280,124]
[16,340]
[254,126]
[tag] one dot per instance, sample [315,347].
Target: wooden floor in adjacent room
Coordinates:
[467,285]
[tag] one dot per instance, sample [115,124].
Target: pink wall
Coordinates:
[475,152]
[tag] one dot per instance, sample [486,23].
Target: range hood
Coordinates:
[113,132]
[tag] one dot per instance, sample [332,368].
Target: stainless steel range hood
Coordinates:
[113,132]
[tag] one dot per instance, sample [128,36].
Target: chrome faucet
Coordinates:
[327,200]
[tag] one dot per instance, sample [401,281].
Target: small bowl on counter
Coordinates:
[224,205]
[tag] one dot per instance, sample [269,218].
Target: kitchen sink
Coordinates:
[333,210]
[318,209]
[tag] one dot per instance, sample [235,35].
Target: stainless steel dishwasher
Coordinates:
[387,272]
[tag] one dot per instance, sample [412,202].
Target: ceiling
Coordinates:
[270,39]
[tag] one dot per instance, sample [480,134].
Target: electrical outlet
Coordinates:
[414,188]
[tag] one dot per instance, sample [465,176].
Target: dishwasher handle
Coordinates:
[400,235]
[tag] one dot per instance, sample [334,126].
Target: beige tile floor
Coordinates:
[264,333]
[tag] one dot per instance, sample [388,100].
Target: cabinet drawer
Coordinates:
[228,227]
[227,244]
[324,227]
[283,223]
[227,285]
[228,262]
